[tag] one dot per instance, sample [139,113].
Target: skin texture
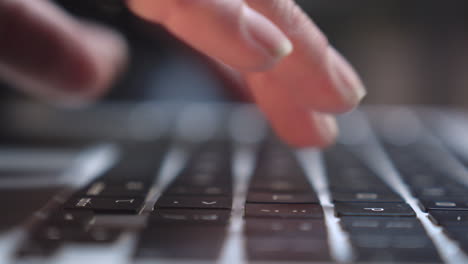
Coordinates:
[270,46]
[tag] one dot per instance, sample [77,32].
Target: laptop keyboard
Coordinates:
[376,196]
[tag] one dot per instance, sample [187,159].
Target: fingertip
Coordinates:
[347,82]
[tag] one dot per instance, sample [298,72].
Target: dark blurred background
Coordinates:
[407,52]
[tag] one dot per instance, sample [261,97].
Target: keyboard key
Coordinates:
[449,218]
[126,205]
[284,210]
[458,233]
[70,218]
[199,202]
[287,249]
[406,241]
[182,189]
[381,225]
[280,185]
[390,255]
[285,228]
[189,243]
[288,198]
[189,217]
[446,204]
[394,248]
[373,209]
[366,196]
[49,232]
[130,188]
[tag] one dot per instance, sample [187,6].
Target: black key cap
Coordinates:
[130,188]
[285,228]
[49,233]
[387,241]
[379,225]
[393,248]
[70,218]
[181,243]
[449,218]
[20,204]
[366,196]
[373,209]
[284,210]
[286,250]
[107,205]
[287,198]
[446,204]
[386,255]
[208,202]
[182,189]
[280,185]
[189,217]
[458,233]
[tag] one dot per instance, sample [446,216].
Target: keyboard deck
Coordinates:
[154,183]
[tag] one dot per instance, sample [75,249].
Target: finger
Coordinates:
[49,54]
[315,74]
[226,30]
[296,125]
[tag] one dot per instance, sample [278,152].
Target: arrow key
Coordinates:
[199,202]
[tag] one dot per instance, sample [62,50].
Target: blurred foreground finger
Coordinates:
[47,53]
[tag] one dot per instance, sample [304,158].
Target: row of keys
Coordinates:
[381,226]
[114,192]
[190,219]
[283,217]
[444,199]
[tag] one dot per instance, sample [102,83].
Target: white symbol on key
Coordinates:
[265,210]
[209,203]
[375,209]
[125,201]
[83,202]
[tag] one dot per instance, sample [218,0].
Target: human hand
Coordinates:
[297,79]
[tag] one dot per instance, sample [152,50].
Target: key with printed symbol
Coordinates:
[200,202]
[106,204]
[448,203]
[366,196]
[283,210]
[449,218]
[373,209]
[288,198]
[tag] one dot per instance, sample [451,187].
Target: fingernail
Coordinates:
[346,79]
[327,126]
[266,35]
